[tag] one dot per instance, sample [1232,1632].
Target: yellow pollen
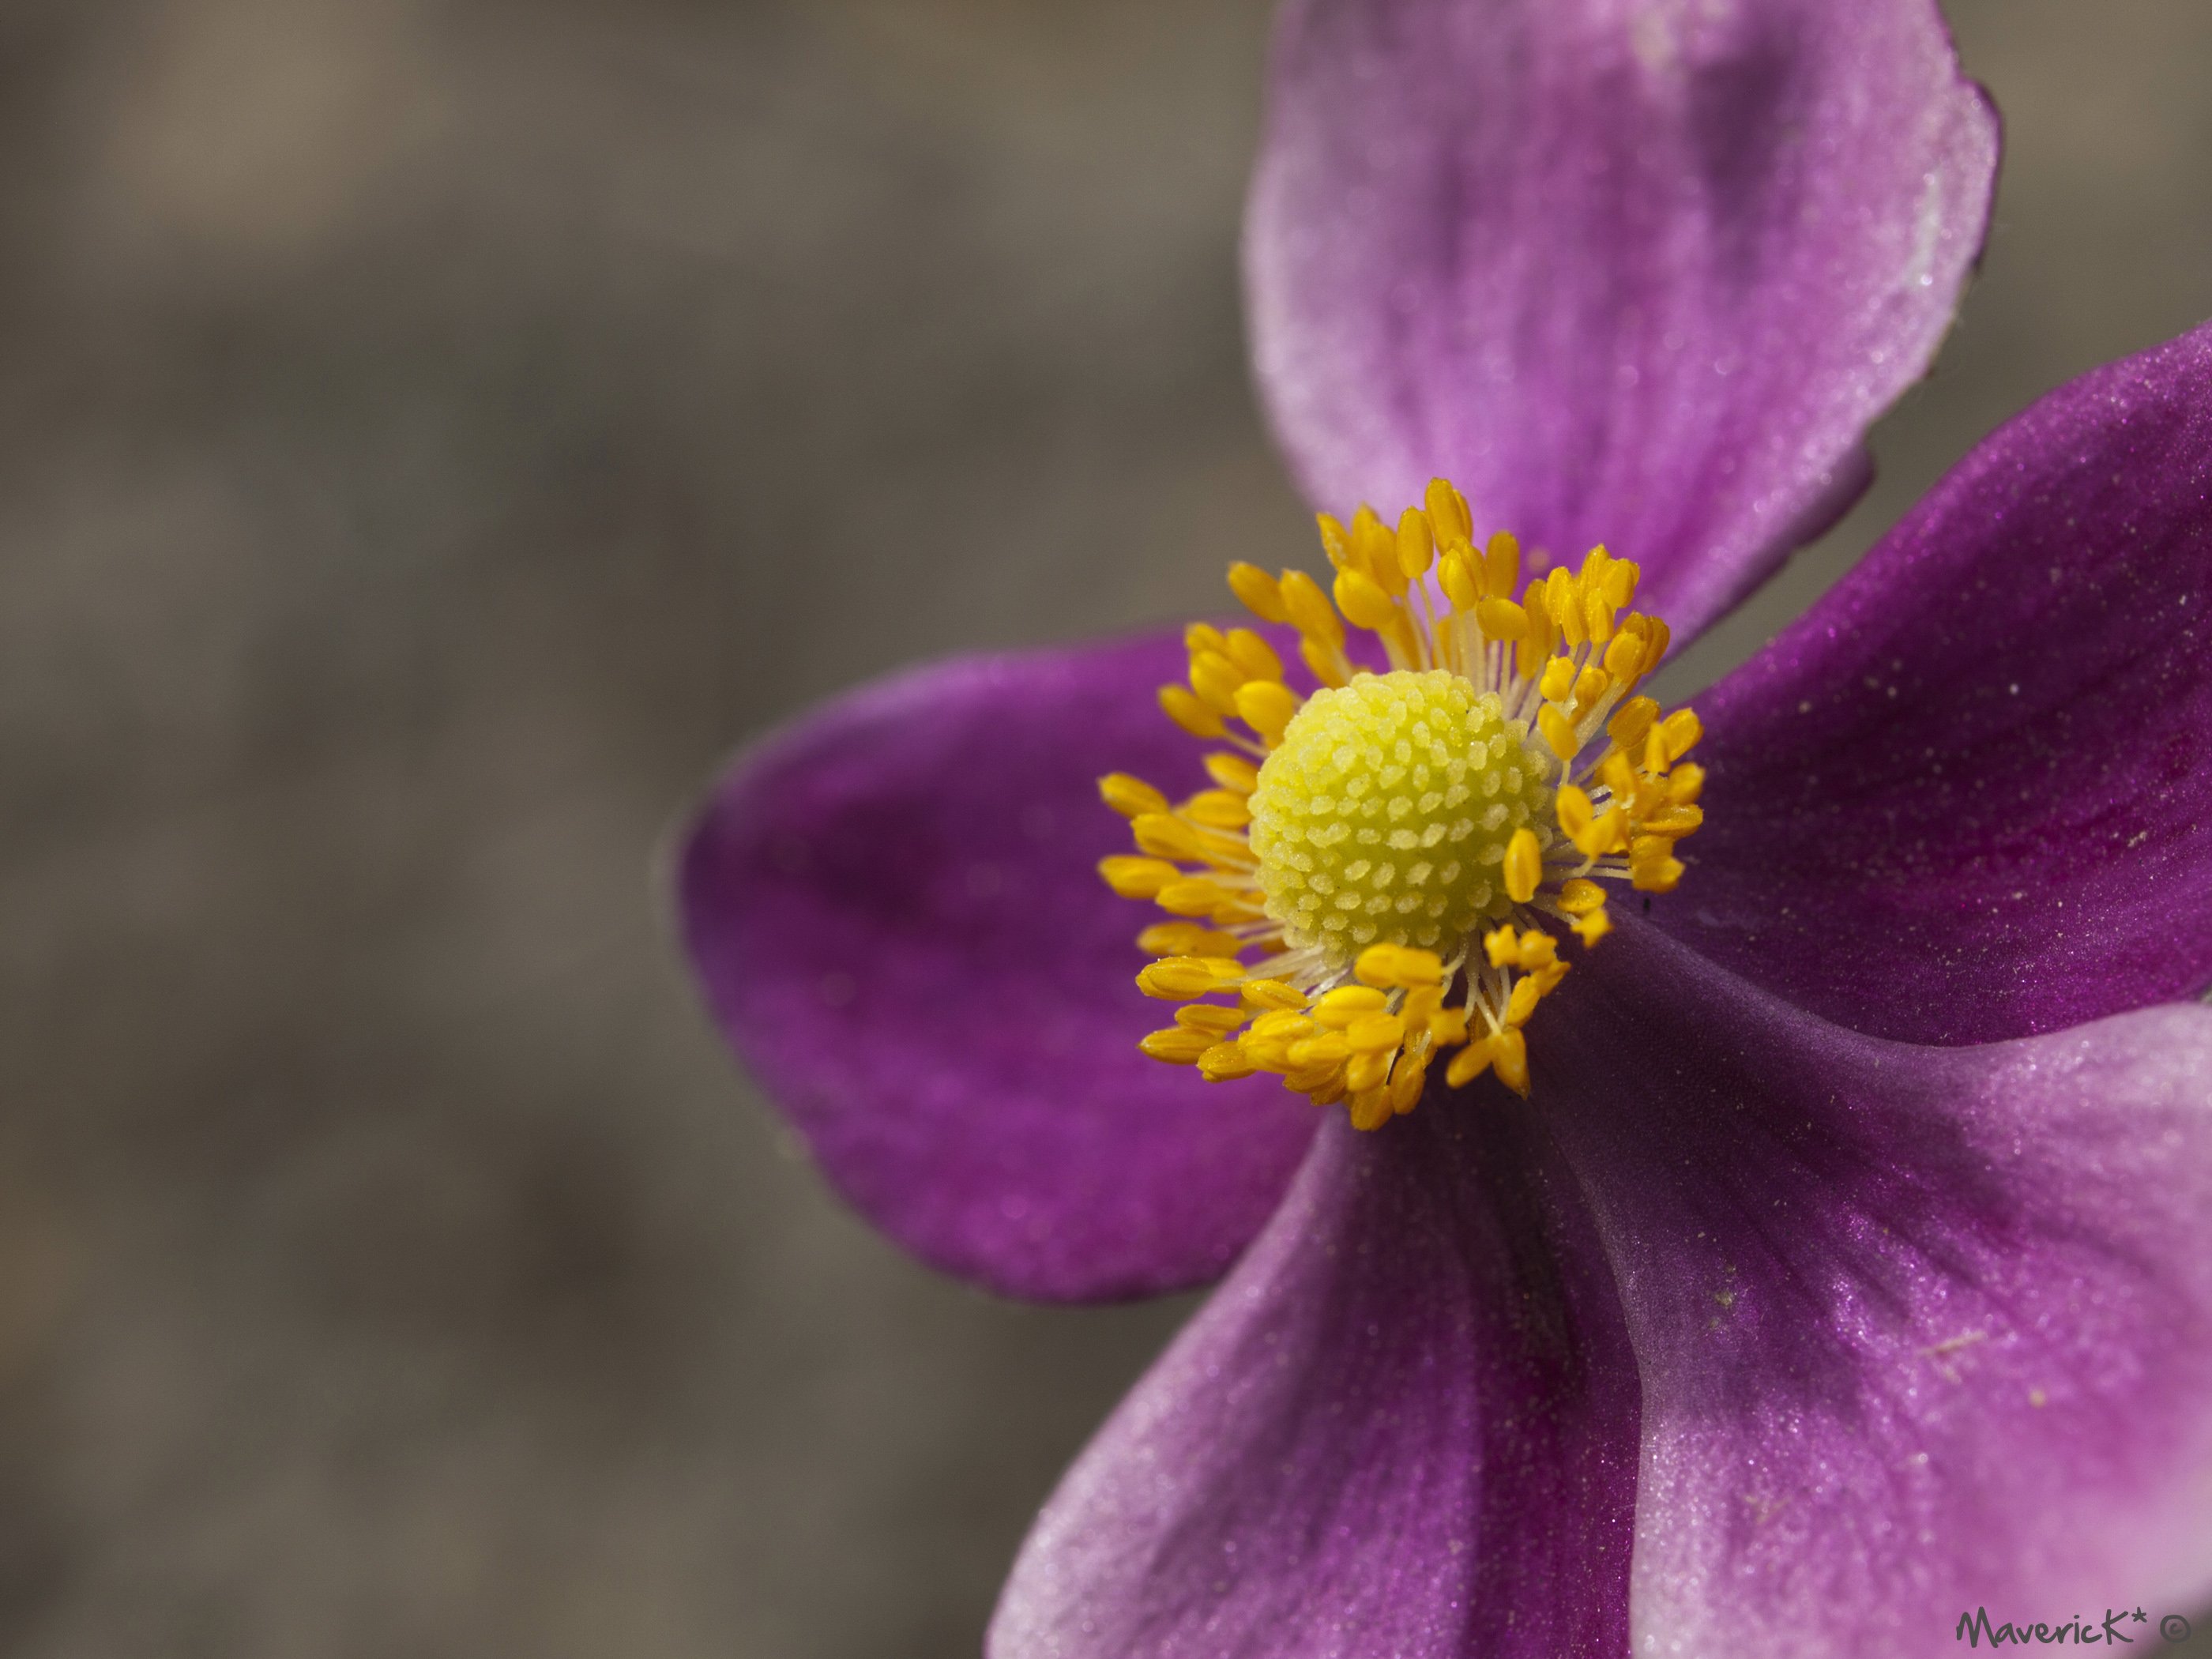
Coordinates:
[1386,813]
[1379,884]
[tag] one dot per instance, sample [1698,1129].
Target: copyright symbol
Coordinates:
[2173,1627]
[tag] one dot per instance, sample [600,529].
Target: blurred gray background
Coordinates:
[435,433]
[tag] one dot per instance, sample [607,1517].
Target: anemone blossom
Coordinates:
[1838,1271]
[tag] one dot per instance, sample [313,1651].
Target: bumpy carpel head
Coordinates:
[1385,813]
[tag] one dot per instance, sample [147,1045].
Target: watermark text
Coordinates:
[1976,1627]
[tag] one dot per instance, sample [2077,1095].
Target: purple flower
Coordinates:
[1839,1272]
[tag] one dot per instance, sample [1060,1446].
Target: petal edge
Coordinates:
[1640,275]
[894,910]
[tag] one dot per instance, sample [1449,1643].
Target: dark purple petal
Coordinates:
[894,910]
[1638,274]
[1969,795]
[1406,1426]
[1919,1330]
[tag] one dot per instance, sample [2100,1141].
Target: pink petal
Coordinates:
[1919,1330]
[894,910]
[1969,794]
[1632,274]
[1405,1425]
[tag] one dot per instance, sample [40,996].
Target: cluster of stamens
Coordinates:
[1393,856]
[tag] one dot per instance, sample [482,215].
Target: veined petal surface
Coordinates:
[1919,1330]
[1405,1424]
[894,909]
[1968,795]
[1631,271]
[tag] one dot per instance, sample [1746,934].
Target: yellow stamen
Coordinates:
[1185,939]
[1578,897]
[1253,655]
[1501,564]
[1597,618]
[1258,592]
[1334,540]
[1502,619]
[1471,1062]
[1564,601]
[1339,1007]
[1215,679]
[1573,806]
[1416,546]
[1322,662]
[1232,772]
[1267,707]
[1139,879]
[1375,1034]
[1370,1108]
[1187,712]
[1195,896]
[1448,512]
[1673,821]
[1399,964]
[1167,837]
[1178,979]
[1624,657]
[1129,796]
[1309,609]
[1364,600]
[1209,1017]
[1323,1048]
[1682,729]
[1364,1074]
[1524,866]
[1457,577]
[1224,1062]
[1218,809]
[1510,1061]
[1631,721]
[1527,992]
[1375,550]
[1557,732]
[1176,1046]
[1590,685]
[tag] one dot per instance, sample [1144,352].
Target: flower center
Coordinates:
[1385,812]
[1403,866]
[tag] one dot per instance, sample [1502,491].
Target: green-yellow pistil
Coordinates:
[1386,812]
[1404,862]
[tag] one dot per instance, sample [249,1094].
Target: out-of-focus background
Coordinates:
[434,432]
